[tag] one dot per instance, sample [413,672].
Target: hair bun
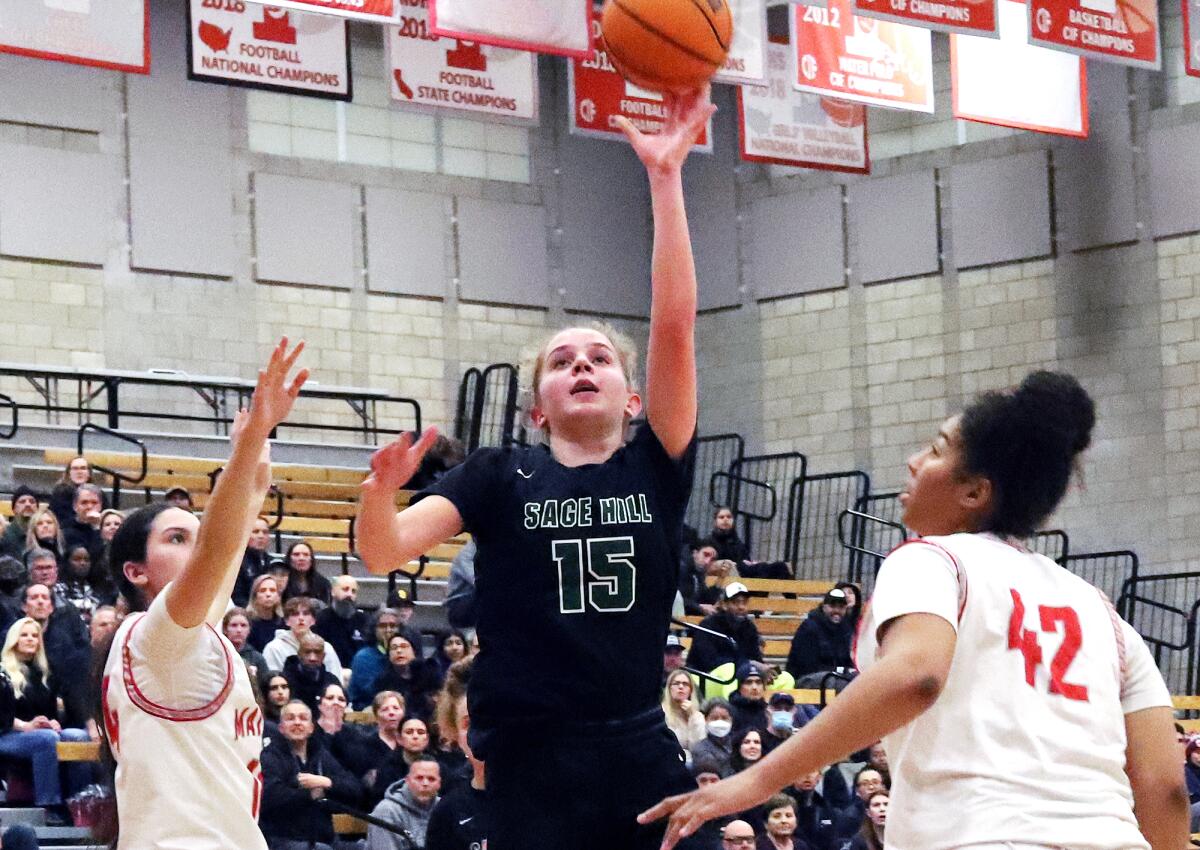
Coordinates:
[1061,404]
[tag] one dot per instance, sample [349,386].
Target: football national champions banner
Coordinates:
[560,26]
[1013,83]
[845,56]
[269,47]
[599,95]
[1191,36]
[379,11]
[429,72]
[1124,31]
[787,127]
[746,62]
[976,17]
[102,33]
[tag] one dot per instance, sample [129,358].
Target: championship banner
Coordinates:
[783,126]
[1191,37]
[267,47]
[746,62]
[101,33]
[428,72]
[1013,83]
[559,27]
[974,17]
[861,59]
[599,95]
[1124,31]
[379,11]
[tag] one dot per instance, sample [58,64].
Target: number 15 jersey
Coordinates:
[1026,744]
[575,574]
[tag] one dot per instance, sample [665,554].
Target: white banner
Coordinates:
[788,127]
[269,47]
[1013,83]
[101,33]
[428,72]
[562,26]
[746,62]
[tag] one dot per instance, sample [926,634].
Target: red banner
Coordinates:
[974,17]
[599,95]
[1124,31]
[380,11]
[1191,37]
[862,59]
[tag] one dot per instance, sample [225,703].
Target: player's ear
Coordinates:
[136,573]
[537,417]
[633,407]
[977,496]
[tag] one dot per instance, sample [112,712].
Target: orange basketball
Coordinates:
[667,45]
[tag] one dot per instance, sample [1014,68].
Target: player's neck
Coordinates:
[571,449]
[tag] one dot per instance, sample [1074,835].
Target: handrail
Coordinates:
[273,490]
[733,477]
[698,628]
[857,545]
[116,475]
[11,432]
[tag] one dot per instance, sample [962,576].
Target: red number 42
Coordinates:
[1026,642]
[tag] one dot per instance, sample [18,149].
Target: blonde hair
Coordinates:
[669,706]
[252,609]
[13,666]
[533,360]
[31,541]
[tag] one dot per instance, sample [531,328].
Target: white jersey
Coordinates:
[186,732]
[1026,744]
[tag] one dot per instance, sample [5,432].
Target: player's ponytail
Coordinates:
[129,545]
[1026,442]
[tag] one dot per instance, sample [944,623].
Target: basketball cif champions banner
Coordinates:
[557,26]
[102,33]
[1124,31]
[862,59]
[1191,37]
[786,127]
[973,17]
[599,95]
[380,11]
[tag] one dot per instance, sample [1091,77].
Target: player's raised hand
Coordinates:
[688,812]
[664,152]
[274,394]
[394,464]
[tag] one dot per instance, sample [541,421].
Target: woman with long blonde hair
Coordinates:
[264,610]
[679,705]
[45,532]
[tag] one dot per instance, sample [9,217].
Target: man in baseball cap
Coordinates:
[822,642]
[731,620]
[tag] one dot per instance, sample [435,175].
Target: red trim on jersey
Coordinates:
[179,715]
[960,573]
[858,627]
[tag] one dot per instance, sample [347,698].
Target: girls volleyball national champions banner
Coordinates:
[787,127]
[1124,31]
[863,59]
[1191,36]
[746,62]
[379,11]
[102,33]
[557,26]
[976,17]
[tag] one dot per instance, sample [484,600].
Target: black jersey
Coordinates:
[458,821]
[576,574]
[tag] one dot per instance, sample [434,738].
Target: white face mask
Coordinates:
[719,728]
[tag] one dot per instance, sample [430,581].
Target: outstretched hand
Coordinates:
[273,395]
[665,151]
[397,462]
[688,812]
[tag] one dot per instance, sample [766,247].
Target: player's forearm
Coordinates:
[377,534]
[673,270]
[1163,812]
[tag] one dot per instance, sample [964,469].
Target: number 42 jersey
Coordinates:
[1026,744]
[575,575]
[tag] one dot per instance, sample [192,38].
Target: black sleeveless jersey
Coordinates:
[575,576]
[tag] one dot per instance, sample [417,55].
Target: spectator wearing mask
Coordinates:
[236,626]
[779,815]
[683,717]
[265,612]
[822,642]
[717,746]
[781,720]
[370,661]
[344,627]
[708,652]
[82,528]
[408,804]
[415,678]
[297,774]
[255,561]
[306,673]
[299,618]
[24,506]
[303,578]
[62,498]
[749,702]
[871,834]
[816,820]
[45,532]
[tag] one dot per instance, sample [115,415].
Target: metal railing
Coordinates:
[15,411]
[869,539]
[487,407]
[1053,543]
[1162,609]
[467,414]
[716,453]
[1109,571]
[753,485]
[118,477]
[818,501]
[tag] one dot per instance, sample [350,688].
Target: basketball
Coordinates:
[667,45]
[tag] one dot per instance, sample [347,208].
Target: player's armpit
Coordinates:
[1152,762]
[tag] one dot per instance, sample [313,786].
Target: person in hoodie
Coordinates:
[750,709]
[731,619]
[298,615]
[24,506]
[342,624]
[298,773]
[717,746]
[306,673]
[407,805]
[822,642]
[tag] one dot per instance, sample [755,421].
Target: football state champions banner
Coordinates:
[102,33]
[842,55]
[540,26]
[976,17]
[599,95]
[746,62]
[429,72]
[1013,83]
[1191,37]
[787,127]
[1124,31]
[379,11]
[268,47]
